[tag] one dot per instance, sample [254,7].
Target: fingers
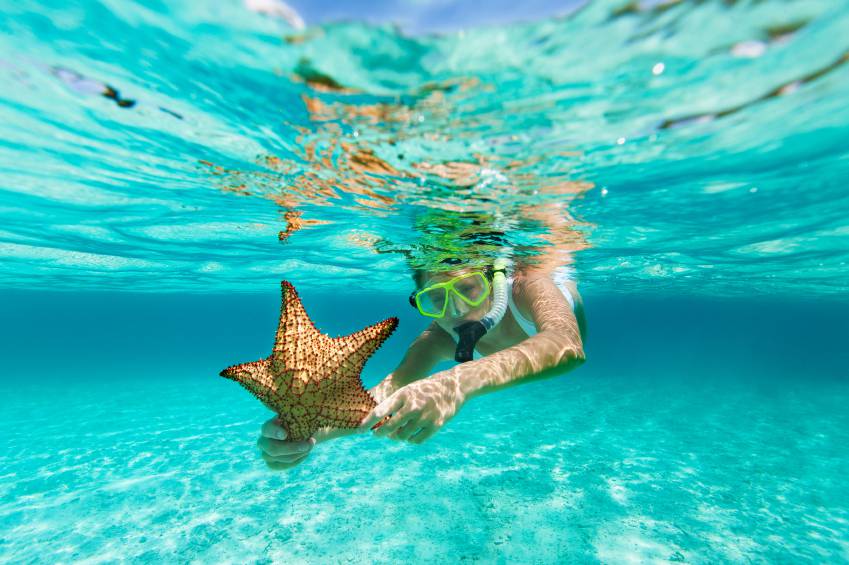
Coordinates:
[412,427]
[285,450]
[396,422]
[279,453]
[273,430]
[423,434]
[276,464]
[388,406]
[404,432]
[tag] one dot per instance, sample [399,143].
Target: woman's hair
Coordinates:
[449,241]
[420,274]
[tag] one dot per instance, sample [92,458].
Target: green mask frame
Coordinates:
[471,288]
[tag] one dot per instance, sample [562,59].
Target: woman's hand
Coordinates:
[276,451]
[418,409]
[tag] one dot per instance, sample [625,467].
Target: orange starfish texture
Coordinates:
[312,380]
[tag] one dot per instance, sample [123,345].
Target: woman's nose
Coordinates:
[455,309]
[452,307]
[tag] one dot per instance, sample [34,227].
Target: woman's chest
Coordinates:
[506,333]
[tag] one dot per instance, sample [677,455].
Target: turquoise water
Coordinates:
[163,167]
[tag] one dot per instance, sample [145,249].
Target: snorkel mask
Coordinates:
[471,289]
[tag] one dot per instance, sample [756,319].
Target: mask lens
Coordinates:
[431,301]
[473,287]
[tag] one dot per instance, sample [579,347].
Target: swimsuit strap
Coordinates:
[529,327]
[560,277]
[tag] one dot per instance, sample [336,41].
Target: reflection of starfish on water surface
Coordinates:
[310,379]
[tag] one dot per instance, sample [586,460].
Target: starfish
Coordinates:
[312,380]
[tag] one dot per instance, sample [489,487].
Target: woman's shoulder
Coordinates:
[524,281]
[529,284]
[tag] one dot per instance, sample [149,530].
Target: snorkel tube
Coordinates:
[470,333]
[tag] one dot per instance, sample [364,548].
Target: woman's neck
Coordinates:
[504,334]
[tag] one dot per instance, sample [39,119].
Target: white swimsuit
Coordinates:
[560,276]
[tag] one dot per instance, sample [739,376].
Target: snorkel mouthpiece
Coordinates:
[468,335]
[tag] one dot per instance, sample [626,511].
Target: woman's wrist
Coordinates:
[462,384]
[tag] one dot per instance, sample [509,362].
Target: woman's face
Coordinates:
[458,312]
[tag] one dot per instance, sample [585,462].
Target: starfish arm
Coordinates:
[297,339]
[359,346]
[311,380]
[257,378]
[347,407]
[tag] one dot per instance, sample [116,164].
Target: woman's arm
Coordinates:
[421,408]
[432,346]
[555,349]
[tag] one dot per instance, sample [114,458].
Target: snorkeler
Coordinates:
[502,328]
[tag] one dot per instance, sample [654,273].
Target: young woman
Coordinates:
[503,330]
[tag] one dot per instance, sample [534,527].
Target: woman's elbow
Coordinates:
[572,355]
[576,356]
[566,351]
